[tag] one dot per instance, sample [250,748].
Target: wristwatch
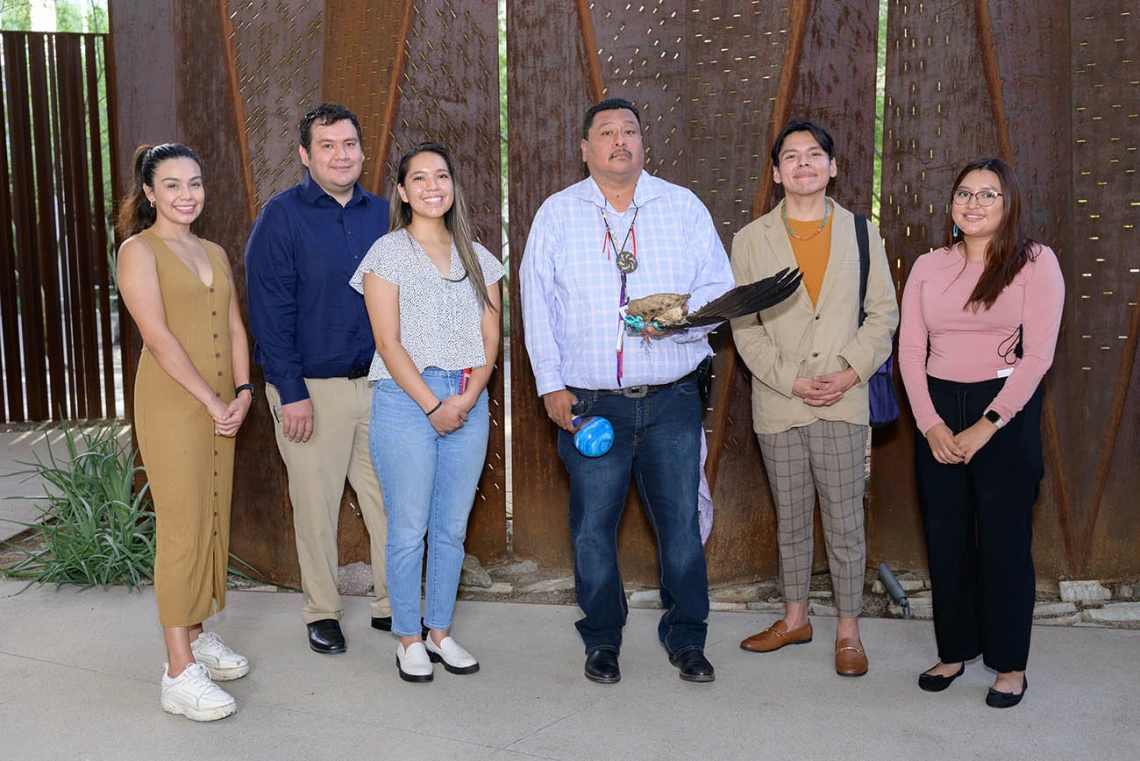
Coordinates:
[245,387]
[994,418]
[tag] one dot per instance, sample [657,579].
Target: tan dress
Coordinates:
[190,470]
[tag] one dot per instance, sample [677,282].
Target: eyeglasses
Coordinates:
[983,197]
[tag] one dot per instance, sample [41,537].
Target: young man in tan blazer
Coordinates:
[810,362]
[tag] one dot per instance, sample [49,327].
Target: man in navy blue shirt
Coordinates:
[314,342]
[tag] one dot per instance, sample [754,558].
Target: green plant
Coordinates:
[95,528]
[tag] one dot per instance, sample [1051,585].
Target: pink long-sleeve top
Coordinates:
[967,346]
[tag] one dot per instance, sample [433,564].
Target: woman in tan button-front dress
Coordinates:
[178,289]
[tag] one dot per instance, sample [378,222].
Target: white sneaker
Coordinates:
[455,659]
[224,664]
[413,663]
[194,695]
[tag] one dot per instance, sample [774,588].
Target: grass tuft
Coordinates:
[96,530]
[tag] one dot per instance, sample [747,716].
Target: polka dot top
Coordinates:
[439,319]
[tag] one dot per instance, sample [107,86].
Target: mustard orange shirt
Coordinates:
[812,252]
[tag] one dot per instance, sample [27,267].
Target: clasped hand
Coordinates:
[949,449]
[229,417]
[824,390]
[450,416]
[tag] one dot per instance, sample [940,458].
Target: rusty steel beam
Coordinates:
[399,66]
[225,19]
[590,46]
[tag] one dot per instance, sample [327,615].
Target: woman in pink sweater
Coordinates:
[979,328]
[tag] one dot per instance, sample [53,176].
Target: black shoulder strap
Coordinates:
[864,263]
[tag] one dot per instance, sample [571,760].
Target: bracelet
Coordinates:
[433,409]
[244,387]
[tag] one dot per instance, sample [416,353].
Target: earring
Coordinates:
[955,224]
[152,206]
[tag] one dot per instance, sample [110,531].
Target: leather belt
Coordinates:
[637,392]
[359,372]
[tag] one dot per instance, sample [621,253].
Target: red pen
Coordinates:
[463,380]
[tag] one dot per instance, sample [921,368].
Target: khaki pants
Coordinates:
[317,470]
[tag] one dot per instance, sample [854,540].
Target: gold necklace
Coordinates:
[823,224]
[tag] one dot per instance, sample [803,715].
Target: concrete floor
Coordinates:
[79,676]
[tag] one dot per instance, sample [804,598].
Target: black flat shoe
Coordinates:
[384,623]
[326,637]
[695,667]
[602,667]
[995,699]
[937,683]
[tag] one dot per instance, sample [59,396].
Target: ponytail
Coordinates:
[135,210]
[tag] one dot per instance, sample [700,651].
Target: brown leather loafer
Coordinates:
[850,657]
[776,636]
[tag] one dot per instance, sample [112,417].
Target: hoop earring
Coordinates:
[955,224]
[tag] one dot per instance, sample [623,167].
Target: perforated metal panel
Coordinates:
[1049,84]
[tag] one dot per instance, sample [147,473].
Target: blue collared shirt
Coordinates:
[306,320]
[571,286]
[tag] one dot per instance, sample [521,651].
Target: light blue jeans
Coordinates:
[429,485]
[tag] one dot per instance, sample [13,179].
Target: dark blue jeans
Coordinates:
[657,441]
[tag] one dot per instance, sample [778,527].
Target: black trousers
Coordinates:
[979,529]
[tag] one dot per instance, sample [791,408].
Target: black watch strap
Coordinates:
[245,387]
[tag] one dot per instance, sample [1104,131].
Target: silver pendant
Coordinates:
[626,262]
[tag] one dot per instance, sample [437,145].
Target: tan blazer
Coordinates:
[795,339]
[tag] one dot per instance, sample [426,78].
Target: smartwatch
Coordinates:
[994,418]
[245,387]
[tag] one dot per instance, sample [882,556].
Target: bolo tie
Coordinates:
[626,259]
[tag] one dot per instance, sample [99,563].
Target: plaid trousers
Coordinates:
[826,456]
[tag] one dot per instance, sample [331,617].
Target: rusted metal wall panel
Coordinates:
[257,66]
[1100,401]
[278,51]
[547,93]
[1046,84]
[706,77]
[359,61]
[449,93]
[1034,108]
[938,116]
[746,547]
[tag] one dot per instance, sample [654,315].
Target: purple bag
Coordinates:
[884,401]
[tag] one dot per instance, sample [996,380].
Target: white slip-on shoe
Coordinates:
[413,663]
[454,658]
[194,695]
[223,663]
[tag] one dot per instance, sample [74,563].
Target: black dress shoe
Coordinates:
[602,667]
[695,667]
[325,636]
[995,699]
[936,682]
[384,624]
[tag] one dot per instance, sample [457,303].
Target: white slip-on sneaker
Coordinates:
[413,663]
[194,695]
[454,658]
[223,663]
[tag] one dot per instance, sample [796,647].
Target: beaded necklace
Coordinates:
[823,224]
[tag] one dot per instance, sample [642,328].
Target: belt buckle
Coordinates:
[635,392]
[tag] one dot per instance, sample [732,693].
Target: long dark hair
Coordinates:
[1010,248]
[135,212]
[456,219]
